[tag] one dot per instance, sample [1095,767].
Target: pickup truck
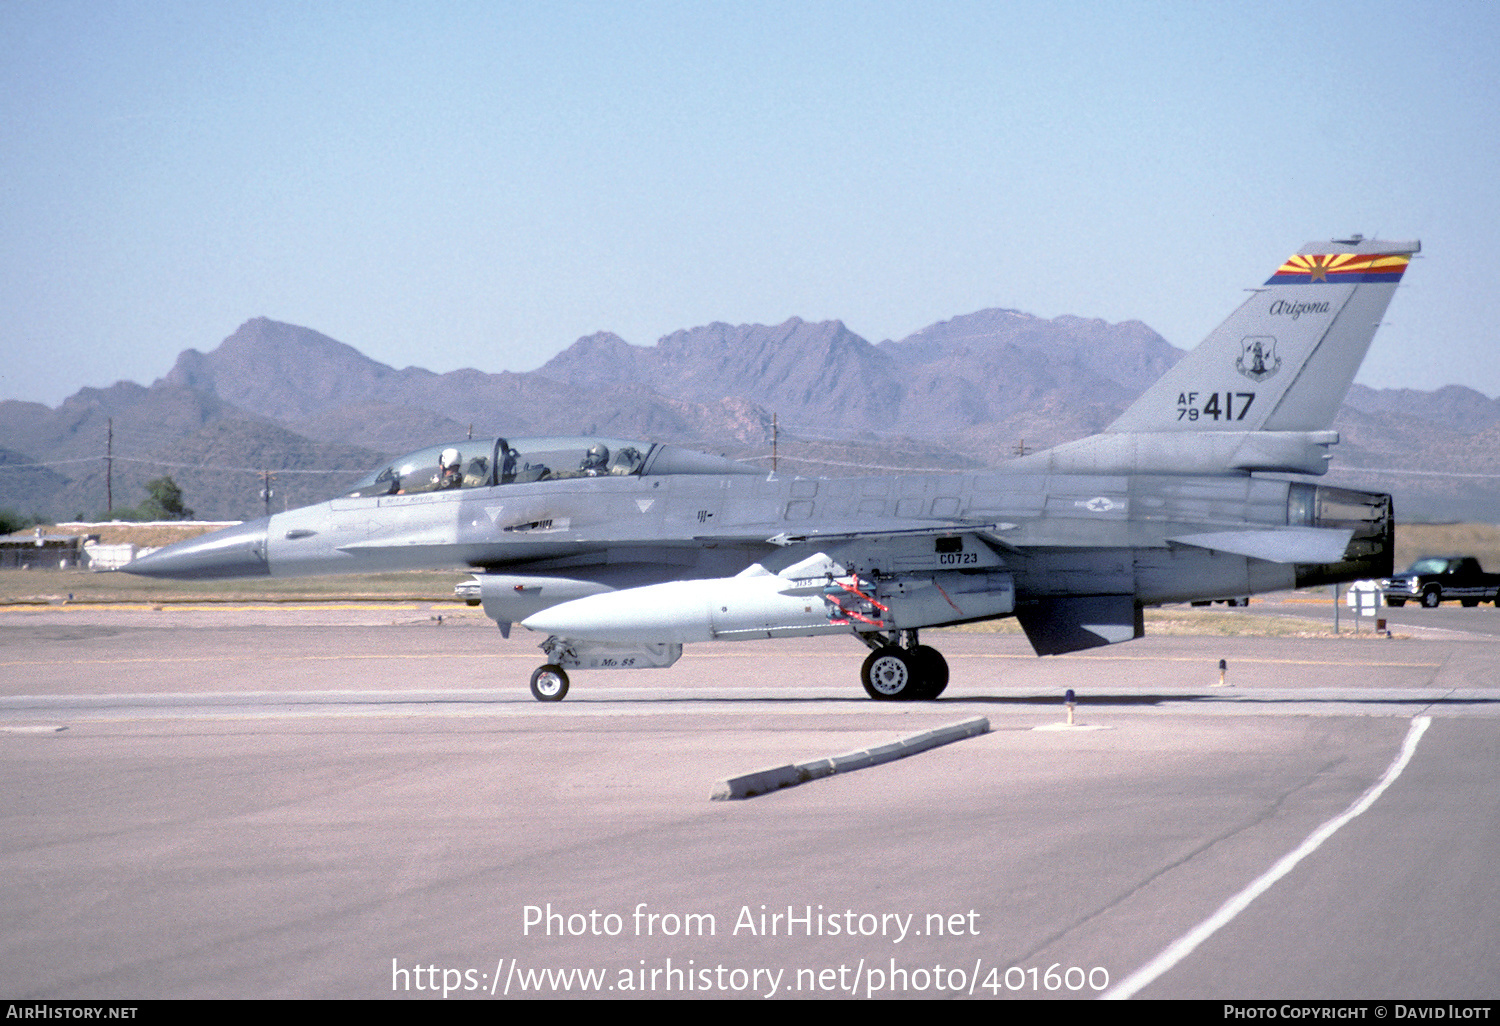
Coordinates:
[1434,579]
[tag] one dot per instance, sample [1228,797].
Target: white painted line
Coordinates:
[1184,945]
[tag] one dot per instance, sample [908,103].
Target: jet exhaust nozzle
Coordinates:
[1368,515]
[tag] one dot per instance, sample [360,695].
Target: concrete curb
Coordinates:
[774,778]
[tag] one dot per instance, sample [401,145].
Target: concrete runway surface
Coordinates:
[360,802]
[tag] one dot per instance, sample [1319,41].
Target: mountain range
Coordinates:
[964,393]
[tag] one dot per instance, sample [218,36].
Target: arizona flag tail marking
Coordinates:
[1341,269]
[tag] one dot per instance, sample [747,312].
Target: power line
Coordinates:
[178,466]
[870,466]
[1409,473]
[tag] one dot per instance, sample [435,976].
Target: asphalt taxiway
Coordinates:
[364,802]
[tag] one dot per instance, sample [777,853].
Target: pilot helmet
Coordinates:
[449,459]
[598,455]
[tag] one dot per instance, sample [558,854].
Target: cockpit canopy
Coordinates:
[483,463]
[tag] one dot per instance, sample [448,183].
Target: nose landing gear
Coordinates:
[549,683]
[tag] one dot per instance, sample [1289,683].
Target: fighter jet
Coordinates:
[619,552]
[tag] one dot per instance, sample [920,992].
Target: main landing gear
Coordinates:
[894,672]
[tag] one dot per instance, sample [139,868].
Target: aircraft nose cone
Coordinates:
[233,552]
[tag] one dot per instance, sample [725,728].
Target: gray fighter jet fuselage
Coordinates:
[621,551]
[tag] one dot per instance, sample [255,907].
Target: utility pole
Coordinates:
[1020,449]
[265,490]
[109,472]
[775,437]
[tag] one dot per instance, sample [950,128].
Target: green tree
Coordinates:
[163,502]
[11,521]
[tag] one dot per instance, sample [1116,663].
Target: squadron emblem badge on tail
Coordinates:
[1258,359]
[619,552]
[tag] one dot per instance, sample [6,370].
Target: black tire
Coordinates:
[549,683]
[932,671]
[1395,602]
[1432,598]
[889,675]
[1468,603]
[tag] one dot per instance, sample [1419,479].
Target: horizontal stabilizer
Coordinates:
[1072,623]
[1276,545]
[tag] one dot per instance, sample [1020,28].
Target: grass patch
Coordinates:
[1188,621]
[51,586]
[1416,540]
[1209,623]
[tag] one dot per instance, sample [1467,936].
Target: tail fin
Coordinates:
[1285,359]
[1261,391]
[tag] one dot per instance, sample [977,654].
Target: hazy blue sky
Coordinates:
[478,184]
